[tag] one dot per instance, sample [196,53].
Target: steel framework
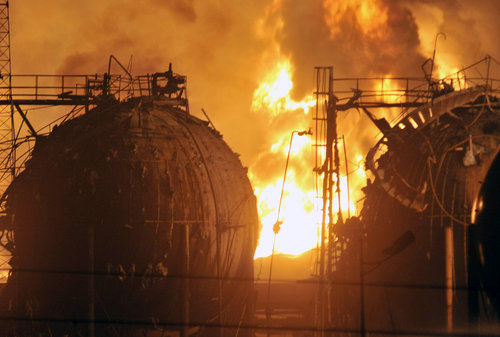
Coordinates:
[7,157]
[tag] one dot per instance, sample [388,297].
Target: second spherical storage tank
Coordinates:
[133,219]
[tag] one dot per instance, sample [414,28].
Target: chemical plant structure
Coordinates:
[128,216]
[420,257]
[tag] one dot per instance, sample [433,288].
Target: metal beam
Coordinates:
[47,102]
[379,105]
[25,119]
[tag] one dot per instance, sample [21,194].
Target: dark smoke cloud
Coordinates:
[470,28]
[391,49]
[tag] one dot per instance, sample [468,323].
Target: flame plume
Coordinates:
[299,211]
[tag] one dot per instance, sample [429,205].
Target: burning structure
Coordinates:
[134,218]
[413,262]
[386,31]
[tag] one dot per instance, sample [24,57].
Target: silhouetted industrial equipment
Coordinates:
[425,173]
[133,218]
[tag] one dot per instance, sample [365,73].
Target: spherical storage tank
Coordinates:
[133,219]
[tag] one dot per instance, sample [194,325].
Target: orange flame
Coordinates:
[274,93]
[300,210]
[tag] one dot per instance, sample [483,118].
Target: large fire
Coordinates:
[300,211]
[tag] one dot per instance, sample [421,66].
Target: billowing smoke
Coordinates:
[229,48]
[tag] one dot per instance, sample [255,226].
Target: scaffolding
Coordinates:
[7,147]
[7,157]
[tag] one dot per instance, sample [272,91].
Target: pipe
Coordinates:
[347,177]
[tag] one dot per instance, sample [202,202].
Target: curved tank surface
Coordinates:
[134,219]
[485,235]
[415,219]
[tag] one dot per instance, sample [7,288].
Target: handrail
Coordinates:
[42,87]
